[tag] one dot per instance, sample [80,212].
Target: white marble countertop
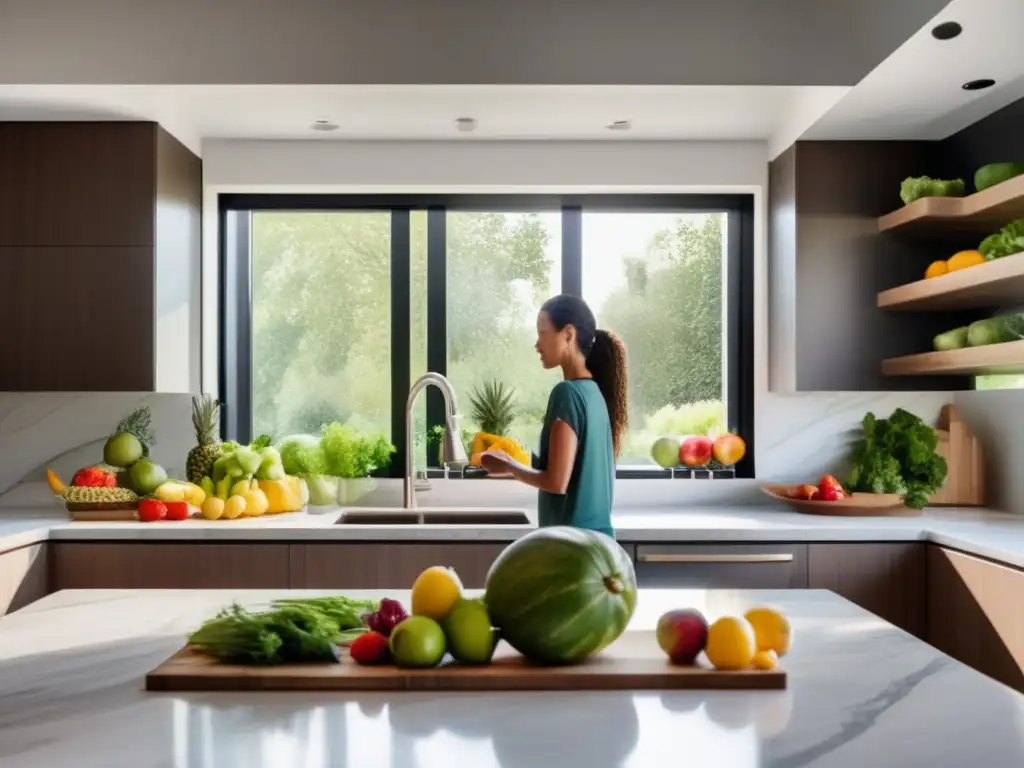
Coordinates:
[861,693]
[996,535]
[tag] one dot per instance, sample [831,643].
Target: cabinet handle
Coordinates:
[763,558]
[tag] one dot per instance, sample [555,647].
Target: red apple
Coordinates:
[729,449]
[696,451]
[829,481]
[682,634]
[831,493]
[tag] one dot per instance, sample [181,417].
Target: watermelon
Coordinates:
[561,594]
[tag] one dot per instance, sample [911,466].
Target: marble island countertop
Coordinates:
[992,534]
[861,693]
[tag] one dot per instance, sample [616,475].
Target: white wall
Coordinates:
[797,436]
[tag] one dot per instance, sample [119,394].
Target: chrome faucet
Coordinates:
[452,449]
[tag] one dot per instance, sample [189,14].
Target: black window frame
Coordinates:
[235,296]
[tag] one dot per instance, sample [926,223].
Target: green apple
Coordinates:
[665,452]
[471,639]
[417,642]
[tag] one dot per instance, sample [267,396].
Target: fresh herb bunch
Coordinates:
[1006,242]
[139,423]
[897,455]
[293,631]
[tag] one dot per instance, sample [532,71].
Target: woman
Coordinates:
[585,422]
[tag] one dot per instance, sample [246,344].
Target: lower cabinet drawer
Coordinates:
[731,566]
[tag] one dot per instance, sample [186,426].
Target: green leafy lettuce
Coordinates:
[897,455]
[914,188]
[1006,242]
[351,453]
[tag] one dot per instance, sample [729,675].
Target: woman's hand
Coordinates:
[497,463]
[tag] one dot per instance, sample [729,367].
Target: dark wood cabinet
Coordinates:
[77,184]
[887,579]
[99,229]
[170,565]
[386,566]
[24,577]
[728,566]
[975,613]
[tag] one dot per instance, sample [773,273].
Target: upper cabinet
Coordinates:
[99,238]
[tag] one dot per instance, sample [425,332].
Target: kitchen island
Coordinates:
[861,693]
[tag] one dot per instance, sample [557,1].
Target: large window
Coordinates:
[333,305]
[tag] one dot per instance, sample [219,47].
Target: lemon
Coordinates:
[213,508]
[435,591]
[772,630]
[731,643]
[234,507]
[766,660]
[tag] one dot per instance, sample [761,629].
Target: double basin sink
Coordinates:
[432,516]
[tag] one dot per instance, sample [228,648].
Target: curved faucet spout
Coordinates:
[453,450]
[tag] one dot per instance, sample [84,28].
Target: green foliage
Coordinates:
[493,407]
[897,455]
[914,188]
[351,453]
[302,456]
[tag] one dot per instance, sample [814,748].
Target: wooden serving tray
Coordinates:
[854,505]
[634,662]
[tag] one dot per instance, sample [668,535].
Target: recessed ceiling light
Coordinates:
[465,124]
[323,124]
[947,30]
[978,85]
[619,125]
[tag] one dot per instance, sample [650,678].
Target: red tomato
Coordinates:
[177,510]
[830,493]
[816,496]
[829,481]
[151,510]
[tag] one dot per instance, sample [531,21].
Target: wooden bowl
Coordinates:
[854,505]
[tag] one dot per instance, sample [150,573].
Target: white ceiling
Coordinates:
[195,112]
[916,92]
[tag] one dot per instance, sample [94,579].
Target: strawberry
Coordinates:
[151,510]
[370,648]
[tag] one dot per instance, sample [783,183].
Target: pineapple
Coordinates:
[493,407]
[208,449]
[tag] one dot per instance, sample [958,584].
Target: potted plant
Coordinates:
[351,456]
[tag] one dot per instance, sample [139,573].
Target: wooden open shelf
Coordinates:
[997,283]
[994,358]
[982,213]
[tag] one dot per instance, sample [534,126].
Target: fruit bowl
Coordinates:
[854,505]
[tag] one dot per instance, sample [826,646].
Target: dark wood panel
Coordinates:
[975,613]
[842,262]
[24,577]
[722,566]
[77,184]
[886,579]
[185,565]
[386,566]
[76,319]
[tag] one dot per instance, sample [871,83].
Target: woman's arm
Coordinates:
[562,447]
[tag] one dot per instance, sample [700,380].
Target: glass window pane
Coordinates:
[418,331]
[501,267]
[321,320]
[657,280]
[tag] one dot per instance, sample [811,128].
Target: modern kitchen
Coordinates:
[530,403]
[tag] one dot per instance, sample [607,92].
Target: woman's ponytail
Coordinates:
[608,364]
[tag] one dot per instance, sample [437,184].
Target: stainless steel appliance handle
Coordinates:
[718,558]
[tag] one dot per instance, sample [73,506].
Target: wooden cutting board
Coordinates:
[634,662]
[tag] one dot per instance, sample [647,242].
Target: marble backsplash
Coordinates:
[66,431]
[798,436]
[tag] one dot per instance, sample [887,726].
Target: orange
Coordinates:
[731,643]
[771,629]
[964,259]
[936,269]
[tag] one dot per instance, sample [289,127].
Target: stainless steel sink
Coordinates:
[432,516]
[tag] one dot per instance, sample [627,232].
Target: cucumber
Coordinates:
[996,173]
[996,330]
[954,339]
